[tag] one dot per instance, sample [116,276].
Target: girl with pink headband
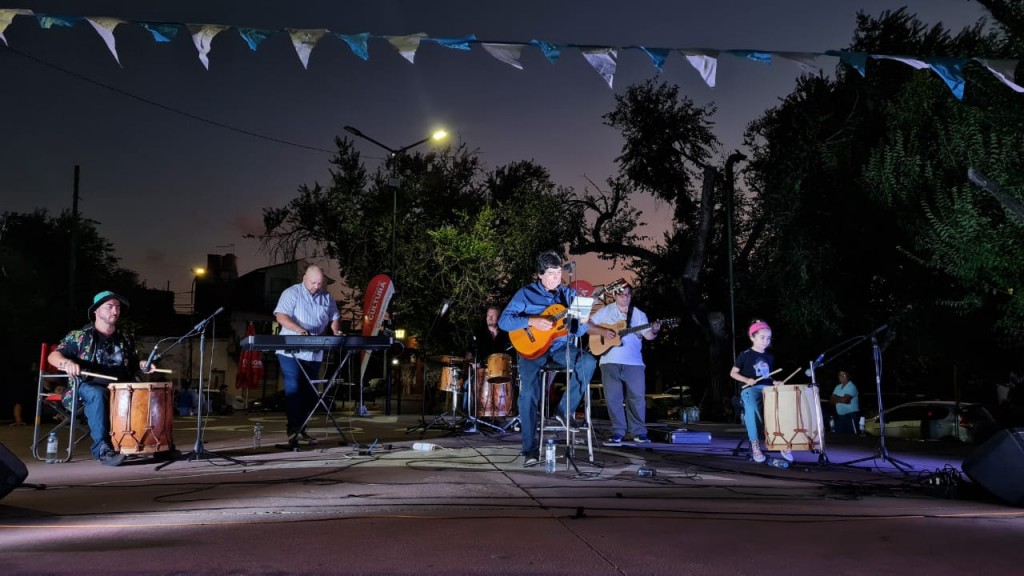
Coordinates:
[753,369]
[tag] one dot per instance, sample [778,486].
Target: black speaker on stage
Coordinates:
[998,466]
[12,471]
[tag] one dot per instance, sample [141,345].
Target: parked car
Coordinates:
[934,420]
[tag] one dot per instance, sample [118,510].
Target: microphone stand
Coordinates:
[423,426]
[198,451]
[881,452]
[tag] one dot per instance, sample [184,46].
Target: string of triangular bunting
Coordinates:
[602,59]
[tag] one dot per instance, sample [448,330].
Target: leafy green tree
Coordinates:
[461,233]
[862,212]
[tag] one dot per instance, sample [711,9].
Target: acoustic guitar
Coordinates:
[532,343]
[600,344]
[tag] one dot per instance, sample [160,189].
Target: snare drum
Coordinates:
[141,417]
[792,416]
[499,368]
[451,379]
[493,400]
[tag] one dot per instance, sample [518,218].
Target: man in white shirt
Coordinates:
[622,367]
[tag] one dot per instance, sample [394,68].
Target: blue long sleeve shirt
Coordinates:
[532,300]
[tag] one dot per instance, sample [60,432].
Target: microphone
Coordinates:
[817,362]
[445,306]
[152,358]
[202,324]
[569,267]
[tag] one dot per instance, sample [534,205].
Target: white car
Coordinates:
[933,420]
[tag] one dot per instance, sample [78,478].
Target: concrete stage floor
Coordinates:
[469,507]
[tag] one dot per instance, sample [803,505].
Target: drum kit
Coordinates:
[487,390]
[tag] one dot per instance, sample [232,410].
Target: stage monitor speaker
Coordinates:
[998,466]
[12,471]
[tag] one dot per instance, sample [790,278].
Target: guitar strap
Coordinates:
[629,316]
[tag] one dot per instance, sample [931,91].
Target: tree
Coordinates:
[463,234]
[862,206]
[668,152]
[35,256]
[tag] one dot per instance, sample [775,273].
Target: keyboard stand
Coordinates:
[321,400]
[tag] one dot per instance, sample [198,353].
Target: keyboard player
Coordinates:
[306,309]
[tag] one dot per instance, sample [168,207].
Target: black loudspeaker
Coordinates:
[998,466]
[12,471]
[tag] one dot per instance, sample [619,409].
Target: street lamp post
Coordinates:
[393,153]
[438,135]
[197,272]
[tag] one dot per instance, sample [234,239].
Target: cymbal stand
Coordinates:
[442,419]
[516,421]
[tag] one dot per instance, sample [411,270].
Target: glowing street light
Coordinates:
[197,273]
[437,136]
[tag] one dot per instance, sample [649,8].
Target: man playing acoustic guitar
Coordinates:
[529,314]
[622,367]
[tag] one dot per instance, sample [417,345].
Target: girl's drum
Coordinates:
[499,368]
[141,417]
[792,418]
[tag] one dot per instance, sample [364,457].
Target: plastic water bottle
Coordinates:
[257,435]
[549,457]
[860,426]
[778,463]
[51,448]
[832,423]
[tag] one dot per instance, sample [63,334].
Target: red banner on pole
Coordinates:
[378,295]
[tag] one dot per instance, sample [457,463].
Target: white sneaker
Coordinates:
[755,452]
[787,455]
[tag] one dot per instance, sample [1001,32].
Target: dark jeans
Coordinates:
[96,399]
[299,395]
[847,423]
[529,393]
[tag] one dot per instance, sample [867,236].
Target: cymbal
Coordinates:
[446,359]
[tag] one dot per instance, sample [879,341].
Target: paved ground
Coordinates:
[469,507]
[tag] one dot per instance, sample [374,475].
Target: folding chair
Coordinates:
[55,401]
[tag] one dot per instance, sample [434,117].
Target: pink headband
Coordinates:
[759,325]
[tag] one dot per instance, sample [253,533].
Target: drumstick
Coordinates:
[790,376]
[772,373]
[95,375]
[163,370]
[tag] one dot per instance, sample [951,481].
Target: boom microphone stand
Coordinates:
[881,452]
[423,426]
[198,450]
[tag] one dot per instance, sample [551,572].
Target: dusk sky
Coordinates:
[167,188]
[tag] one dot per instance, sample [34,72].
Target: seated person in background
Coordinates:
[847,404]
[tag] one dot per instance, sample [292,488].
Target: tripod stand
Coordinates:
[881,452]
[198,451]
[451,362]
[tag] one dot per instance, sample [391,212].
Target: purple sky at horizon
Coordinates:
[167,190]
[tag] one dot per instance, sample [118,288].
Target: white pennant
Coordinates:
[407,45]
[202,37]
[304,41]
[507,53]
[7,15]
[603,61]
[912,62]
[105,28]
[1002,69]
[805,60]
[705,62]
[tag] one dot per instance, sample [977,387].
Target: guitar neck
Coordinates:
[635,329]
